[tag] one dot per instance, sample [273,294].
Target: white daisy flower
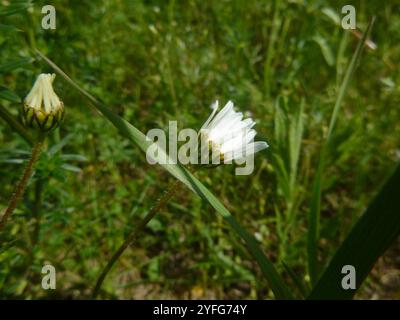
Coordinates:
[42,107]
[227,137]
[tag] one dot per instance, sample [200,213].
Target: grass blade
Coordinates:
[367,241]
[303,290]
[277,285]
[315,206]
[346,80]
[14,64]
[295,137]
[9,95]
[10,28]
[13,123]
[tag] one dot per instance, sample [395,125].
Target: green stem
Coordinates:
[21,186]
[132,237]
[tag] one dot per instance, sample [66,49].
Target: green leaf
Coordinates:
[295,138]
[14,64]
[315,205]
[6,27]
[128,130]
[325,49]
[9,95]
[74,157]
[59,145]
[279,123]
[368,240]
[70,167]
[331,14]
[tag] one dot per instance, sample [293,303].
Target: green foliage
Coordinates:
[151,62]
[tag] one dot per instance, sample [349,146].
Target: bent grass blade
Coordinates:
[275,281]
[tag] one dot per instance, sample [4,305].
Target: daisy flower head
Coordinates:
[227,137]
[42,108]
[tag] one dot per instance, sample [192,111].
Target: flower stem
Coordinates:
[21,186]
[132,237]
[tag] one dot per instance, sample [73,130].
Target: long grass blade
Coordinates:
[315,206]
[373,233]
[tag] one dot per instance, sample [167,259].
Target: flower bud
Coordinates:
[42,108]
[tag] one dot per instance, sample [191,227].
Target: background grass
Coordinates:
[154,61]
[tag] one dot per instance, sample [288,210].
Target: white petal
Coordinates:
[256,147]
[225,111]
[236,142]
[214,106]
[225,127]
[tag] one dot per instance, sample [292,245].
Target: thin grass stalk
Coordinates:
[315,206]
[133,236]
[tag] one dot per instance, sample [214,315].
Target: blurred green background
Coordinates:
[155,61]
